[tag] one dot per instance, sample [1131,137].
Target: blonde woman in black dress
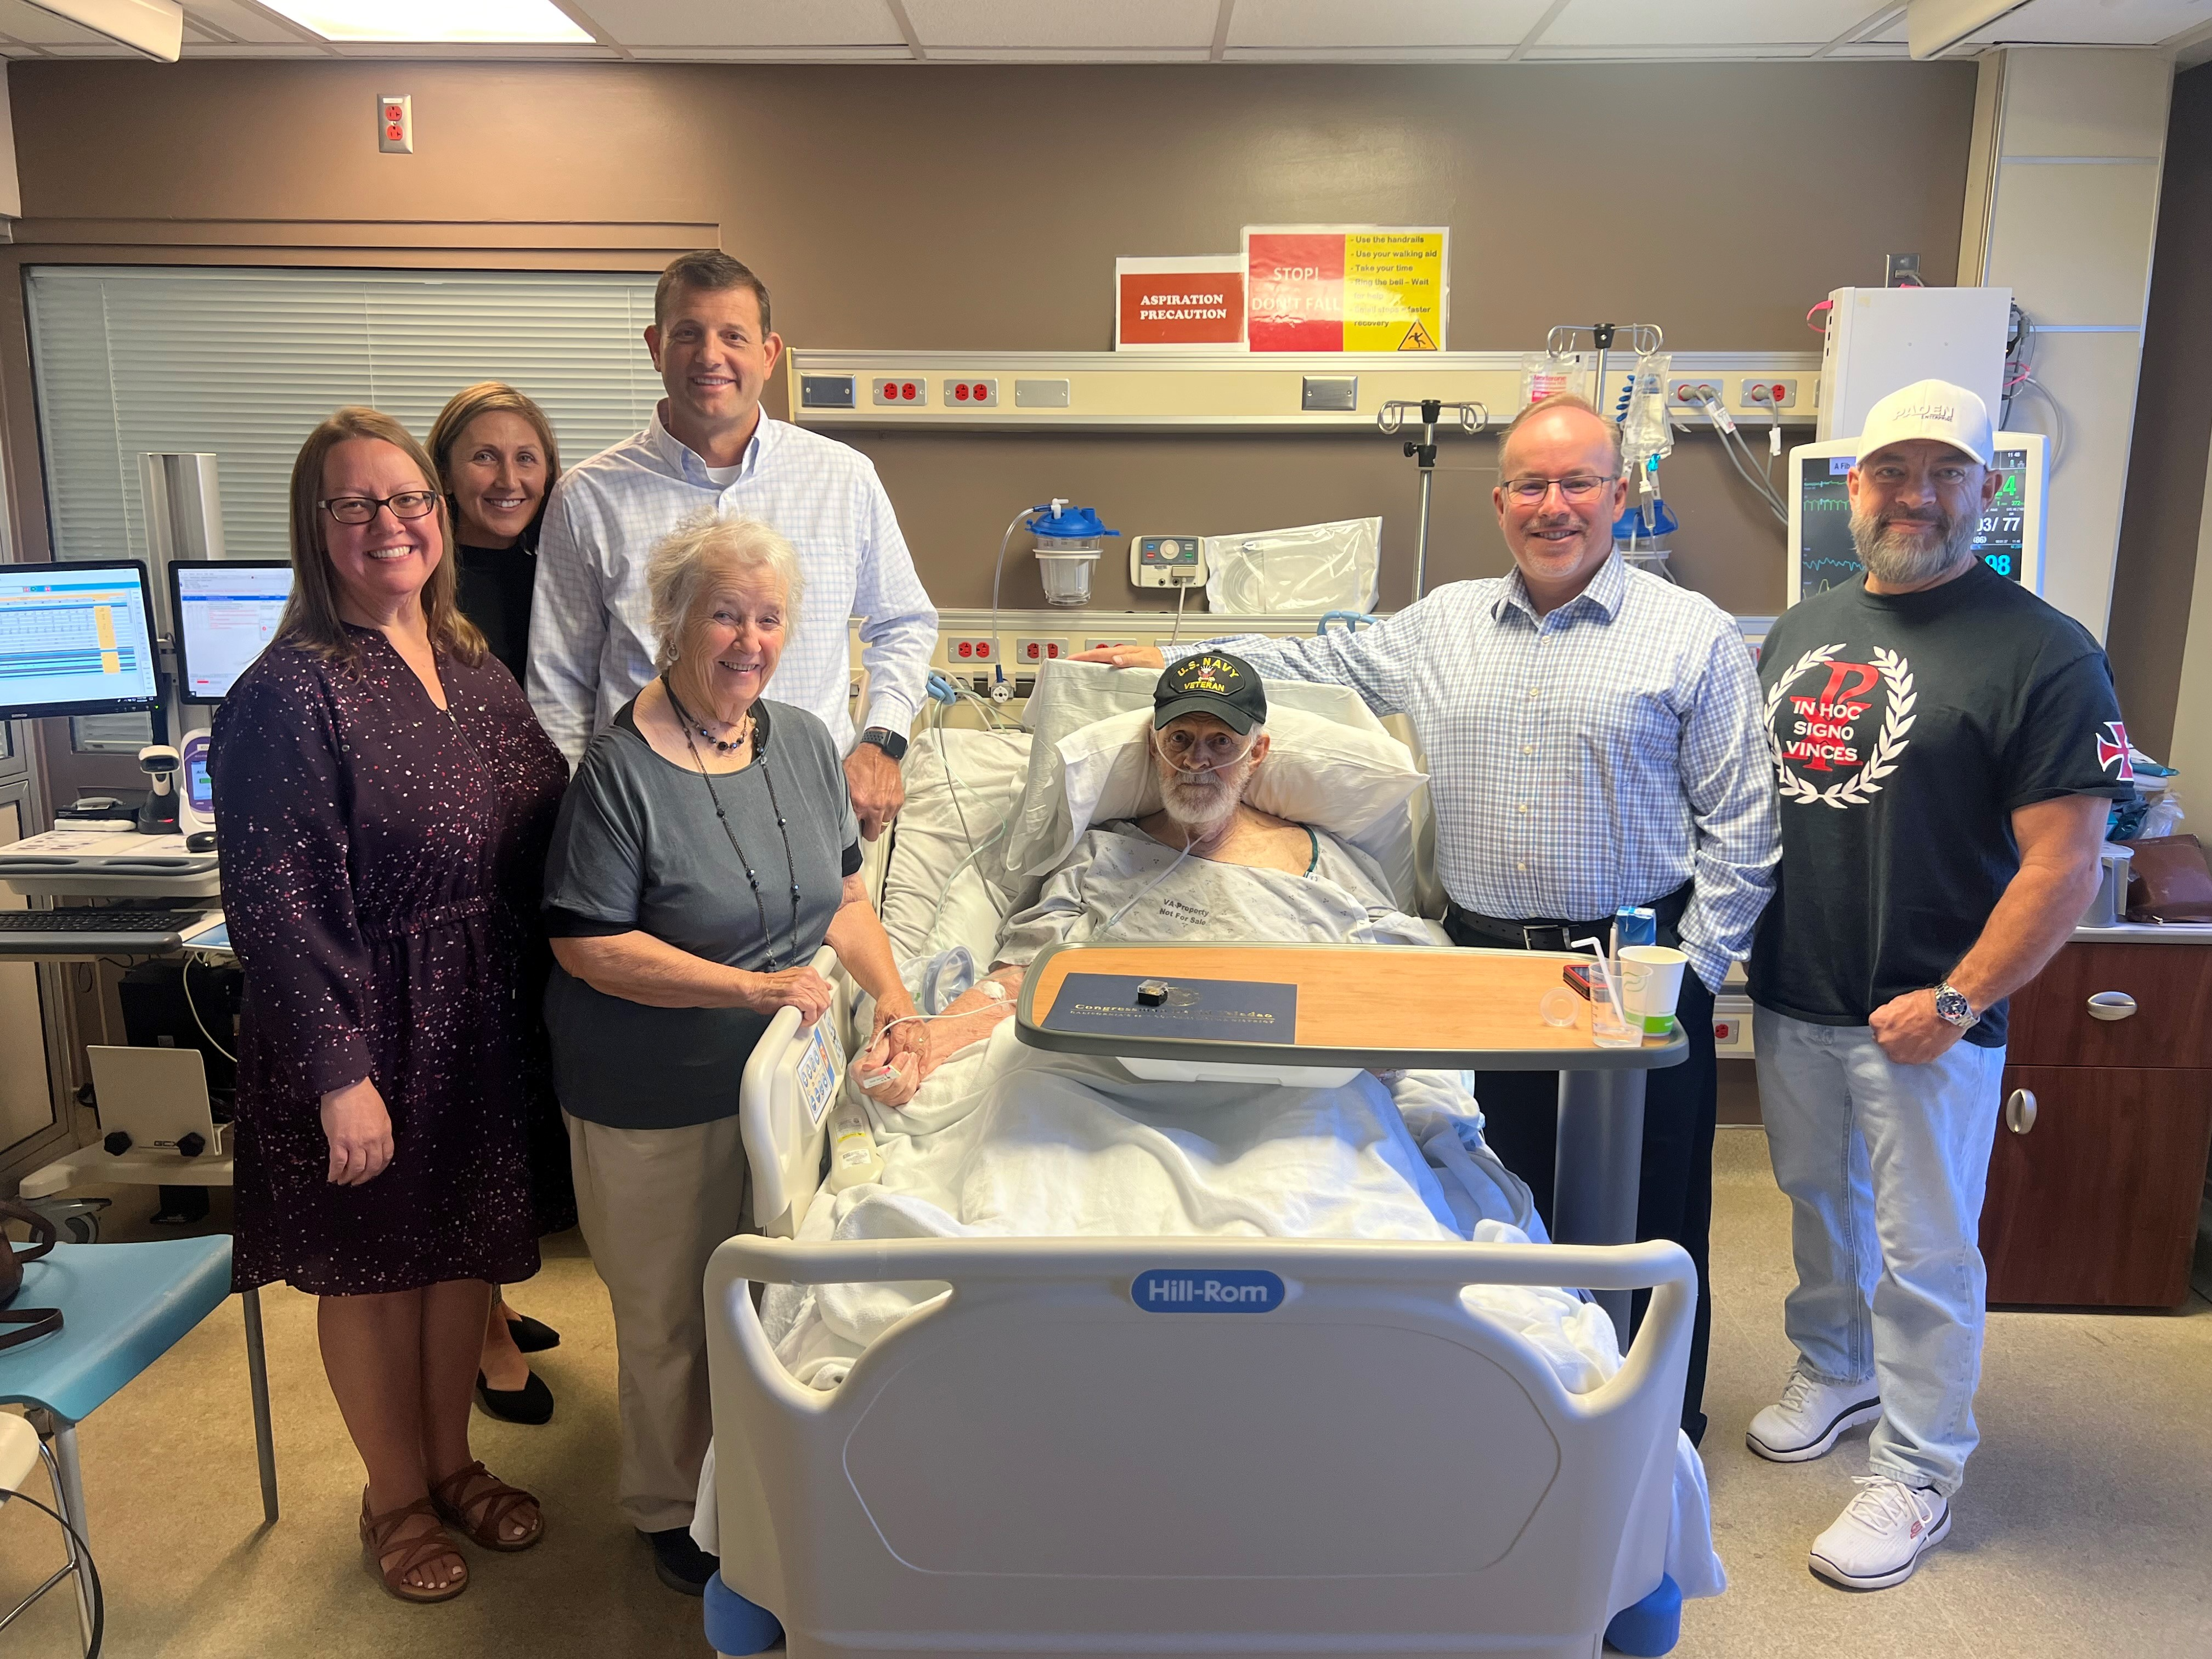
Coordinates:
[383,801]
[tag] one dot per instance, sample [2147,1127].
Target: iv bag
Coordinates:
[1646,431]
[1545,373]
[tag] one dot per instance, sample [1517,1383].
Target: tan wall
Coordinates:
[909,207]
[2159,532]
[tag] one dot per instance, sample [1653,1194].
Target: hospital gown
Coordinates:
[1344,897]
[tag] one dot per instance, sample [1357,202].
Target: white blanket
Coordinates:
[1009,1141]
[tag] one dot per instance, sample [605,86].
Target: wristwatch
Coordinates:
[887,740]
[1954,1006]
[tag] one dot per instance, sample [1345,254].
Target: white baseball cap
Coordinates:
[1929,409]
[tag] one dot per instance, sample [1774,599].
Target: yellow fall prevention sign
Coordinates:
[1394,290]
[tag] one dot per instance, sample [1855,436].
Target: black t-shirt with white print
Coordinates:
[1906,729]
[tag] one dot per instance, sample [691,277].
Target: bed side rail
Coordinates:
[790,1083]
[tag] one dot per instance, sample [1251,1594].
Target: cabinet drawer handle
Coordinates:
[2112,1005]
[2020,1111]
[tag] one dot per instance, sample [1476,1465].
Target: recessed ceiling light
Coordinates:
[488,22]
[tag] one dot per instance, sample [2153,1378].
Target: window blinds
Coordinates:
[243,363]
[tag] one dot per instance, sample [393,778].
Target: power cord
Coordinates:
[186,985]
[83,1563]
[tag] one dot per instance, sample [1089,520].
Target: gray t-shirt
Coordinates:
[638,848]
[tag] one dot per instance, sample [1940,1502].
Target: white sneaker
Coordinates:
[1808,1417]
[1881,1535]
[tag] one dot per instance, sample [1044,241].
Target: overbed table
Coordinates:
[1402,1007]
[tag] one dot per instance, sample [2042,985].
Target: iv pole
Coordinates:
[1646,339]
[1473,417]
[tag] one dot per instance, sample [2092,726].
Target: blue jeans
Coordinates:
[1886,1166]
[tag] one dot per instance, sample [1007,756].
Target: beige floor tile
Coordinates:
[2081,1534]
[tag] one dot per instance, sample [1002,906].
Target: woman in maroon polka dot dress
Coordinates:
[384,797]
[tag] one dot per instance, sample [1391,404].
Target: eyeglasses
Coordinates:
[1576,487]
[1187,752]
[360,509]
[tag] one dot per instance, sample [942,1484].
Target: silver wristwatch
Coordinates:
[1953,1005]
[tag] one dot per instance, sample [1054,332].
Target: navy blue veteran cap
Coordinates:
[1211,682]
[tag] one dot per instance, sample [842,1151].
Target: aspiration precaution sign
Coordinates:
[1346,288]
[1179,304]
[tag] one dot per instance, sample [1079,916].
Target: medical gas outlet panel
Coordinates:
[1243,391]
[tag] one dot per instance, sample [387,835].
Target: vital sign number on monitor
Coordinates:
[226,612]
[76,639]
[2009,537]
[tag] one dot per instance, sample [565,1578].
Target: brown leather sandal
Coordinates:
[481,1510]
[377,1542]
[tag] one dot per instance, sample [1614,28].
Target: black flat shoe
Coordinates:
[530,1403]
[531,1335]
[680,1564]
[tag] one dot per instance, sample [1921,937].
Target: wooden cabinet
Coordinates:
[2102,1137]
[2171,986]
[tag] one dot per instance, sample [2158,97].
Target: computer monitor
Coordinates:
[226,612]
[76,638]
[2009,539]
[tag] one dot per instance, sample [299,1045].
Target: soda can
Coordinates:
[1634,924]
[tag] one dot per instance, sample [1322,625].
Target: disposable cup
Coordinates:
[1651,983]
[1606,1030]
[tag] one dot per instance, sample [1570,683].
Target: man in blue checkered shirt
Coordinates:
[1593,740]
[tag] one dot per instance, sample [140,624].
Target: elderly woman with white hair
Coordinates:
[704,852]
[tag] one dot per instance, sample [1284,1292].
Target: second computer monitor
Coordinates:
[226,611]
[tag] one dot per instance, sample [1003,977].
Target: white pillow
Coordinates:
[962,785]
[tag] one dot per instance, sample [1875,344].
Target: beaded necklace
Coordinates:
[752,876]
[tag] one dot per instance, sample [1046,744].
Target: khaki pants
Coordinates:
[653,1204]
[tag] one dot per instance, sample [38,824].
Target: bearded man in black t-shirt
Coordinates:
[1946,745]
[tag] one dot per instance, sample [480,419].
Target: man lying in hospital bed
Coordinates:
[987,1136]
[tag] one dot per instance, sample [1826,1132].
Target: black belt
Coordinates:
[1560,935]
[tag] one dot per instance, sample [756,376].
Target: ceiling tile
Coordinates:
[1731,27]
[1143,27]
[745,22]
[243,22]
[1353,23]
[20,22]
[2095,23]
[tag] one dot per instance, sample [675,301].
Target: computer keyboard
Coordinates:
[97,920]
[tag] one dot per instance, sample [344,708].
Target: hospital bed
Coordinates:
[1262,1447]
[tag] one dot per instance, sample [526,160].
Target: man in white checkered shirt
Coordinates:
[1593,740]
[711,449]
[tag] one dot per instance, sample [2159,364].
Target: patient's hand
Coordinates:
[909,1052]
[891,1078]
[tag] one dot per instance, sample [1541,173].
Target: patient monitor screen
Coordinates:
[226,614]
[76,639]
[1827,558]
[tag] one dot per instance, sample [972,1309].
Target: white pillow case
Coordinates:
[986,773]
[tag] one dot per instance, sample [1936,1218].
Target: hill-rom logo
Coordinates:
[1206,1290]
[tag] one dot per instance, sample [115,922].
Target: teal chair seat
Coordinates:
[122,1307]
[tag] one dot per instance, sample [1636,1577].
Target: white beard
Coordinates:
[1201,807]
